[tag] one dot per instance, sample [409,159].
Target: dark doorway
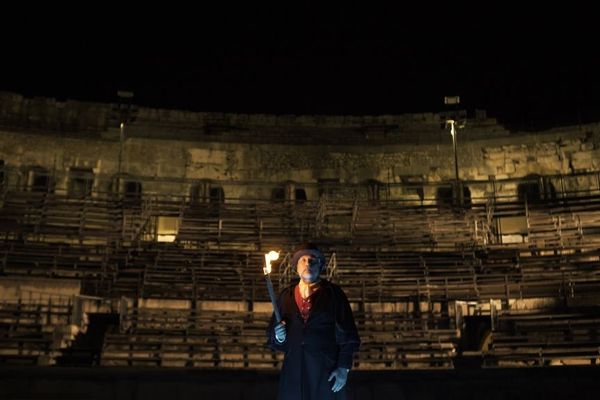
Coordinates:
[86,350]
[216,195]
[40,180]
[81,182]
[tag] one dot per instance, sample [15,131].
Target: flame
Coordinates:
[269,257]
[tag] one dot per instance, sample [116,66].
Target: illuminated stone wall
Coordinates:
[485,149]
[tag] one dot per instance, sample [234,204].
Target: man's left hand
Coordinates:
[341,376]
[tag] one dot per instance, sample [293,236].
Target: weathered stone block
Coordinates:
[548,162]
[207,156]
[571,145]
[494,154]
[581,160]
[509,168]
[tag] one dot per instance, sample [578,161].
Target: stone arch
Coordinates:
[40,180]
[535,188]
[206,191]
[81,182]
[301,195]
[289,191]
[132,191]
[373,190]
[446,196]
[216,195]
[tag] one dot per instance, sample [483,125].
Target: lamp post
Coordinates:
[121,141]
[451,123]
[124,111]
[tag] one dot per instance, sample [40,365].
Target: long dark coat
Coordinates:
[326,341]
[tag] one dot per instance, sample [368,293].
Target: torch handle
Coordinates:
[273,300]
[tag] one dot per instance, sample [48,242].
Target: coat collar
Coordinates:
[318,301]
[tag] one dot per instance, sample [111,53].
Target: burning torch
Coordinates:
[270,257]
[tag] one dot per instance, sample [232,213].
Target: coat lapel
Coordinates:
[319,301]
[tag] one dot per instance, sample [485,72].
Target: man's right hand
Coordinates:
[280,333]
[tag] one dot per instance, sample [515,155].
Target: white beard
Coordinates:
[308,277]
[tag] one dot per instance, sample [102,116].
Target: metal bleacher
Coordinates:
[421,260]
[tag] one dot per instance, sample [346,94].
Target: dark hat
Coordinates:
[306,249]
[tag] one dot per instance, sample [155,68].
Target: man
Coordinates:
[317,333]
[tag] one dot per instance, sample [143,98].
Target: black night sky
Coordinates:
[528,68]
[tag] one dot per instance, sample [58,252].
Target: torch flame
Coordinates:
[269,257]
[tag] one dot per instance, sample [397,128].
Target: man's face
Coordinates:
[308,268]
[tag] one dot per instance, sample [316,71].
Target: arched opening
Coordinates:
[288,192]
[467,203]
[447,196]
[133,192]
[278,194]
[535,188]
[199,193]
[373,190]
[475,334]
[206,193]
[300,195]
[216,195]
[81,182]
[444,196]
[40,180]
[529,191]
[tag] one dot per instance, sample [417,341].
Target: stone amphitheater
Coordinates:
[132,244]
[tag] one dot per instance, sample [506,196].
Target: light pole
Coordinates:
[124,111]
[121,141]
[453,124]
